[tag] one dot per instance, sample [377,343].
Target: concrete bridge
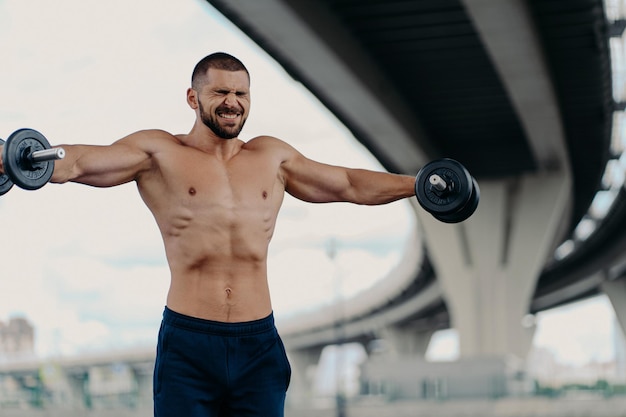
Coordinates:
[529,96]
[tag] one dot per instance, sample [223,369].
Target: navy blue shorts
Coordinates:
[207,368]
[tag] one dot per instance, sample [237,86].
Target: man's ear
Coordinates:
[192,98]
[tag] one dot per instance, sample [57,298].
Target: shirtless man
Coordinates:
[215,199]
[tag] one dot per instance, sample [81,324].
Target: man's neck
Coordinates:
[205,140]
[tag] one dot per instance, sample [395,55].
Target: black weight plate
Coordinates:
[5,182]
[25,175]
[448,202]
[465,212]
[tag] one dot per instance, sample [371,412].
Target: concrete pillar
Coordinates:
[616,292]
[403,342]
[144,377]
[77,388]
[488,265]
[302,374]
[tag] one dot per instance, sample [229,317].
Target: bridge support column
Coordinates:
[489,264]
[79,396]
[616,292]
[144,387]
[405,343]
[302,378]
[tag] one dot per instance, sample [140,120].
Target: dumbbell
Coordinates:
[28,160]
[5,182]
[445,189]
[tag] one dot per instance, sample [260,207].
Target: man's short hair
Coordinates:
[217,60]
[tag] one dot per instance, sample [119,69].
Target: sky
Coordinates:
[87,266]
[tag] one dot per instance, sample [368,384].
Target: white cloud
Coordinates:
[579,332]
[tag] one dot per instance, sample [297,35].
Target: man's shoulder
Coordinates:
[266,142]
[154,134]
[150,138]
[271,146]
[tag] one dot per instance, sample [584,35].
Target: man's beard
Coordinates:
[211,121]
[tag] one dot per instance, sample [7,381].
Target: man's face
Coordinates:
[224,102]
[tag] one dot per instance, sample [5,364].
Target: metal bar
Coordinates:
[437,182]
[47,155]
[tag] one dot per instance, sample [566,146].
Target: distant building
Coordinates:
[16,337]
[543,366]
[409,378]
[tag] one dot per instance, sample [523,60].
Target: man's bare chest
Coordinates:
[242,180]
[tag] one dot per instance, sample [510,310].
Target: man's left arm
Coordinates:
[316,182]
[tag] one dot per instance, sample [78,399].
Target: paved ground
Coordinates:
[530,407]
[501,408]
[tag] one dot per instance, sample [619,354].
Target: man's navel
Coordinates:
[192,191]
[264,194]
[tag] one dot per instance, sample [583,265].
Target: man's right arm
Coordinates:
[104,166]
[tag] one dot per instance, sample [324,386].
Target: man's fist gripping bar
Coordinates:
[446,190]
[28,160]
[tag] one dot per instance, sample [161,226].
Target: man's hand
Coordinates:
[445,189]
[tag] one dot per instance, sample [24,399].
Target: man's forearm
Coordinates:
[374,188]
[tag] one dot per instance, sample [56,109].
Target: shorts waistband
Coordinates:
[217,327]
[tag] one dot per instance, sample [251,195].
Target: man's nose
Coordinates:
[231,99]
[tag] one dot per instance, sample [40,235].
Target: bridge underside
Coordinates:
[518,90]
